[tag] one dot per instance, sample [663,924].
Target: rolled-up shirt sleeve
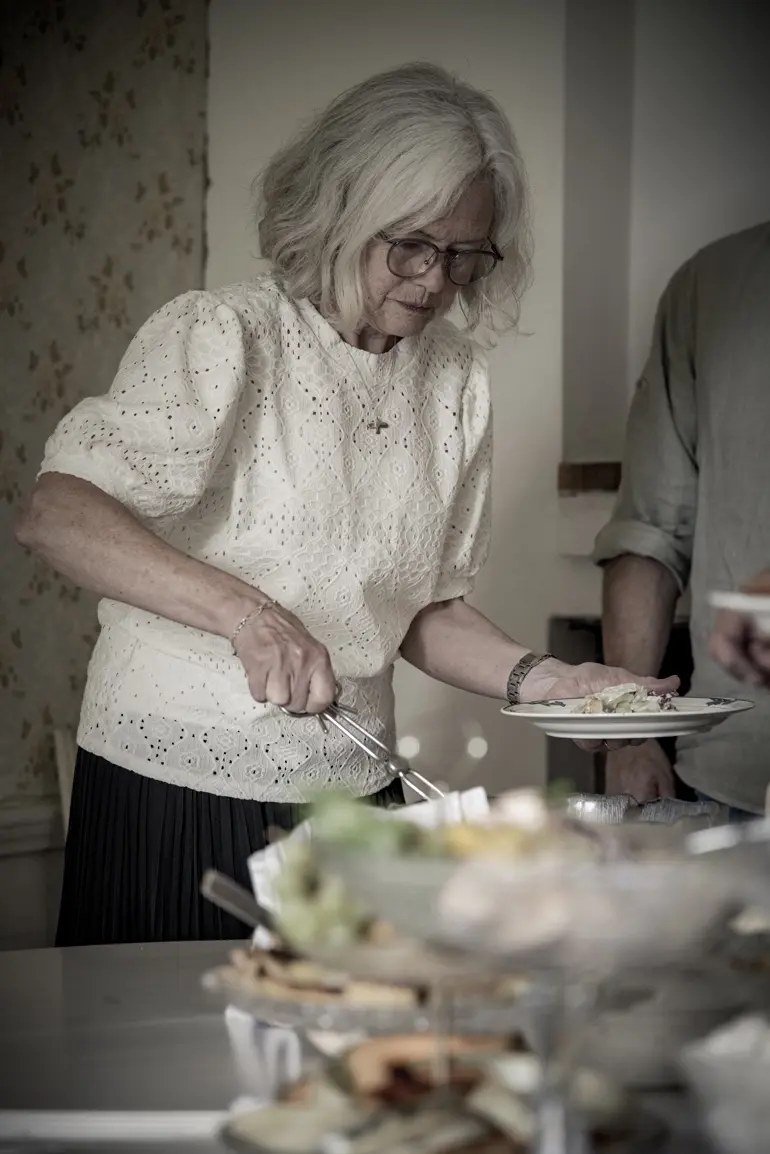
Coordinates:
[153,441]
[654,515]
[467,542]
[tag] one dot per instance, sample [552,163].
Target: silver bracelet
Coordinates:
[266,604]
[520,670]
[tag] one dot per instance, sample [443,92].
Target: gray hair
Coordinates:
[394,153]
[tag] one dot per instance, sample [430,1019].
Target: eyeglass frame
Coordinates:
[445,255]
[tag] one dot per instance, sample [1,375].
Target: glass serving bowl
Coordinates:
[643,904]
[601,915]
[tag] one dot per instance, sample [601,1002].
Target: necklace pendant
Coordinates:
[377,426]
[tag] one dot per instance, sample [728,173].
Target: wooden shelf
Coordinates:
[589,477]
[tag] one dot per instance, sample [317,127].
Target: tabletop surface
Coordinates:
[130,1029]
[113,1028]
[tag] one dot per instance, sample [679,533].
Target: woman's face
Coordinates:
[399,307]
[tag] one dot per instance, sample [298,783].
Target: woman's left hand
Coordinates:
[554,680]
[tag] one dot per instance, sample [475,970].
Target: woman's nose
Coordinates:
[434,279]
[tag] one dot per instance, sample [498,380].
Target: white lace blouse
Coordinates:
[237,429]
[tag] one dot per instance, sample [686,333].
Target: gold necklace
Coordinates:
[376,425]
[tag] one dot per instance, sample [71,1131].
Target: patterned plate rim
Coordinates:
[715,705]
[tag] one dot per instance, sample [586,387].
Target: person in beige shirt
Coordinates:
[694,510]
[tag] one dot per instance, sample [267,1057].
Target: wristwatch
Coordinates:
[520,670]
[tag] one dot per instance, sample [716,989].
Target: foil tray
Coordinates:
[615,809]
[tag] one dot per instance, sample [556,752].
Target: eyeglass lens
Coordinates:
[411,258]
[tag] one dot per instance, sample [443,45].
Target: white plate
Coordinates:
[751,605]
[689,715]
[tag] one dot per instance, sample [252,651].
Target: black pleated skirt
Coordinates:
[137,849]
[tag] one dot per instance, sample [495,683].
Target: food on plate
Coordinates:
[319,922]
[598,1099]
[317,916]
[425,1095]
[520,825]
[314,906]
[284,1129]
[342,819]
[400,1069]
[300,1120]
[284,977]
[627,699]
[521,828]
[315,910]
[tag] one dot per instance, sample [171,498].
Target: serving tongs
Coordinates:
[343,718]
[237,901]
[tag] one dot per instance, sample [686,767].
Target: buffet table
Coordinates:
[113,1028]
[120,1042]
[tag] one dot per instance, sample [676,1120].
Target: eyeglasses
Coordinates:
[412,258]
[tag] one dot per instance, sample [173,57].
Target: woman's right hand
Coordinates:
[284,664]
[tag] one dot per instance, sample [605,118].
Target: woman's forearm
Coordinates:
[454,643]
[96,542]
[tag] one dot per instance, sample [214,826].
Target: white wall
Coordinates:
[701,140]
[272,65]
[598,110]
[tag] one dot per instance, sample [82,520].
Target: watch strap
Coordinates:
[520,670]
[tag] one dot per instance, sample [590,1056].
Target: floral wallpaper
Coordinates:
[103,138]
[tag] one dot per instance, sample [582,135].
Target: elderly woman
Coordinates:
[286,488]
